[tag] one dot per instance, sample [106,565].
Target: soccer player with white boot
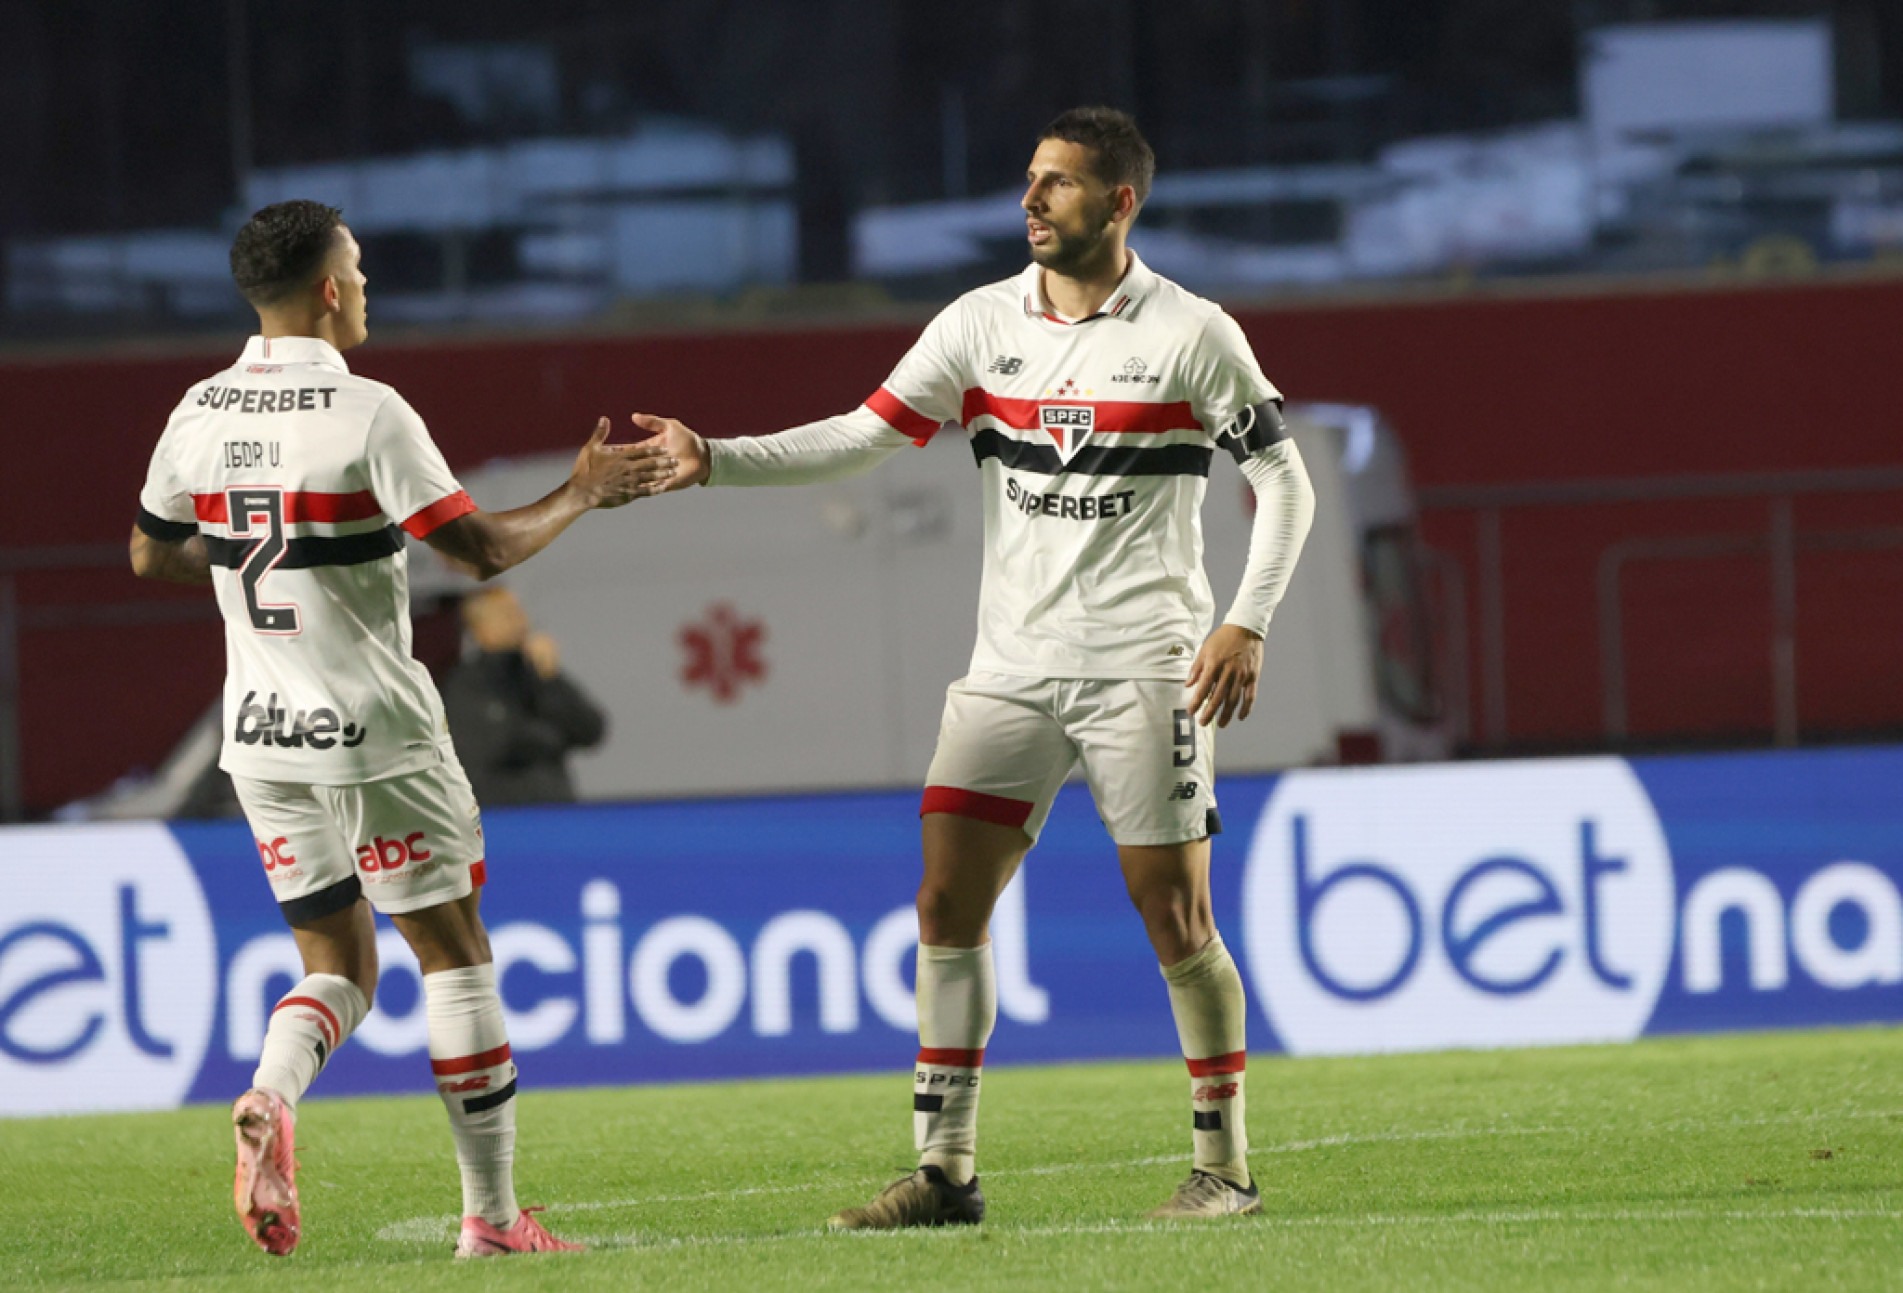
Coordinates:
[1095,393]
[287,483]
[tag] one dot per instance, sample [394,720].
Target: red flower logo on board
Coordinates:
[723,653]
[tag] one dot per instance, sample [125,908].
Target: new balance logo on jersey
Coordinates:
[1069,425]
[319,728]
[1184,790]
[1006,366]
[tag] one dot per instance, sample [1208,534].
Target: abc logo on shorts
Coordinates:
[108,971]
[1482,905]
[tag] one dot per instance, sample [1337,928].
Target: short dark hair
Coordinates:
[1122,155]
[281,248]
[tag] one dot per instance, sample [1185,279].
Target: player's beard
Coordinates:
[1068,253]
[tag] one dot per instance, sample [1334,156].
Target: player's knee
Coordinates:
[947,918]
[1178,919]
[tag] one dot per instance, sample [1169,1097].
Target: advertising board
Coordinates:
[1430,907]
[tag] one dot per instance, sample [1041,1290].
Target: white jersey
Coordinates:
[1095,440]
[298,475]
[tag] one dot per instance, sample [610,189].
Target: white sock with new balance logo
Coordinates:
[475,1074]
[1211,1013]
[957,1007]
[306,1029]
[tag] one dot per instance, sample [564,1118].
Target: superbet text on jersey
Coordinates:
[1095,439]
[303,479]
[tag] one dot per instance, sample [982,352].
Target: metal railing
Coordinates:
[16,619]
[1489,504]
[1781,545]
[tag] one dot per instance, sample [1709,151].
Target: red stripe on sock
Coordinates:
[952,1058]
[326,1021]
[1234,1062]
[470,1063]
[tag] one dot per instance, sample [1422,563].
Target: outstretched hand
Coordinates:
[1223,677]
[611,475]
[682,445]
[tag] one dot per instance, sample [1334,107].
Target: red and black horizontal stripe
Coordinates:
[1123,417]
[1093,459]
[298,505]
[312,550]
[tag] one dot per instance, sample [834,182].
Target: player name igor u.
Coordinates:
[1091,507]
[240,399]
[319,728]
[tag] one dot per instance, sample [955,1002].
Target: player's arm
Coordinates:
[1225,673]
[923,393]
[1247,412]
[165,540]
[180,559]
[484,544]
[832,449]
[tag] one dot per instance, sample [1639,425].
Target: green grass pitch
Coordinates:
[1771,1161]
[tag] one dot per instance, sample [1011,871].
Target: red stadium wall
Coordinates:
[1483,391]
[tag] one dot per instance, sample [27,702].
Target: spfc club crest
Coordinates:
[1068,425]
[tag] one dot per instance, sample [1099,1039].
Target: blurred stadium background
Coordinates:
[1593,305]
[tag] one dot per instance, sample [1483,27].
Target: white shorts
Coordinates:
[1006,743]
[405,842]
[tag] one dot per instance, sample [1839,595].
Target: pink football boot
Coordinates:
[480,1239]
[265,1190]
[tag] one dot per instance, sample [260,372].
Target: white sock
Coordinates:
[1211,1021]
[475,1075]
[306,1029]
[957,1007]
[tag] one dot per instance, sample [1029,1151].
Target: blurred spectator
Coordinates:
[513,714]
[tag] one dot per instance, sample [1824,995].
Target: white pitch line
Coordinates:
[1425,1220]
[426,1229]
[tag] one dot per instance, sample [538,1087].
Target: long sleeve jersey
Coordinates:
[1094,440]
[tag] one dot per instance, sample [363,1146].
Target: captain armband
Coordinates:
[1254,429]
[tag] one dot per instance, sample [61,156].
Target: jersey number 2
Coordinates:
[251,507]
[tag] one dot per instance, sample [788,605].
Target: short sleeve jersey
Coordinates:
[1095,439]
[303,479]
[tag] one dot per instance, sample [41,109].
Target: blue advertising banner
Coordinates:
[1403,908]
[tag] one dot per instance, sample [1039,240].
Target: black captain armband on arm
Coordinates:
[157,527]
[1254,429]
